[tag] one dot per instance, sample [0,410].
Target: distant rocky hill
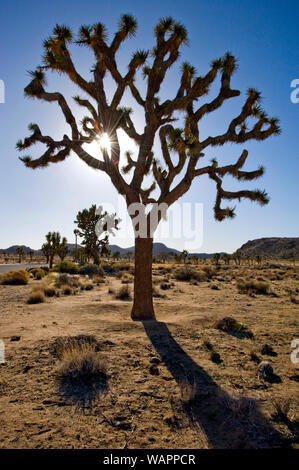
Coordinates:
[275,248]
[158,248]
[12,249]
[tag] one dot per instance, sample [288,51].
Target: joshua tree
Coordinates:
[216,258]
[46,251]
[237,256]
[87,221]
[226,258]
[20,252]
[129,255]
[184,255]
[31,253]
[76,233]
[116,255]
[182,149]
[49,248]
[62,248]
[258,259]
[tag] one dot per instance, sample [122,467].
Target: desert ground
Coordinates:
[180,382]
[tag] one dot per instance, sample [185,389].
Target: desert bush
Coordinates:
[230,325]
[66,267]
[15,278]
[66,344]
[79,365]
[294,299]
[37,296]
[209,271]
[88,285]
[92,270]
[111,269]
[157,294]
[127,278]
[253,287]
[66,289]
[98,279]
[165,286]
[185,274]
[67,280]
[49,291]
[37,273]
[124,293]
[282,408]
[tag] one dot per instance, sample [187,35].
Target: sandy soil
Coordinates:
[148,400]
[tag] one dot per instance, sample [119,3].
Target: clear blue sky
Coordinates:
[262,35]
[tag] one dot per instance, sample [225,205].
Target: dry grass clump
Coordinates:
[49,291]
[66,289]
[127,278]
[80,362]
[37,273]
[67,280]
[253,287]
[230,325]
[282,408]
[79,365]
[65,344]
[15,278]
[187,273]
[157,294]
[124,293]
[37,296]
[294,299]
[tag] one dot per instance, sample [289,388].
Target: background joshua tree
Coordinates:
[31,253]
[76,233]
[46,251]
[226,258]
[129,255]
[49,248]
[62,248]
[87,221]
[216,258]
[20,252]
[184,255]
[172,179]
[116,255]
[258,259]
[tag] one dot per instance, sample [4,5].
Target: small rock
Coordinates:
[15,338]
[153,370]
[265,370]
[155,360]
[268,350]
[26,369]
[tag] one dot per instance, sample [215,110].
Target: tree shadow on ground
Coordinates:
[227,422]
[82,393]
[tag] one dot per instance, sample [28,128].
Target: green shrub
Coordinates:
[15,278]
[92,270]
[66,267]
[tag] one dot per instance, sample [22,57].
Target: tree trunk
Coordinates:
[96,257]
[51,259]
[143,308]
